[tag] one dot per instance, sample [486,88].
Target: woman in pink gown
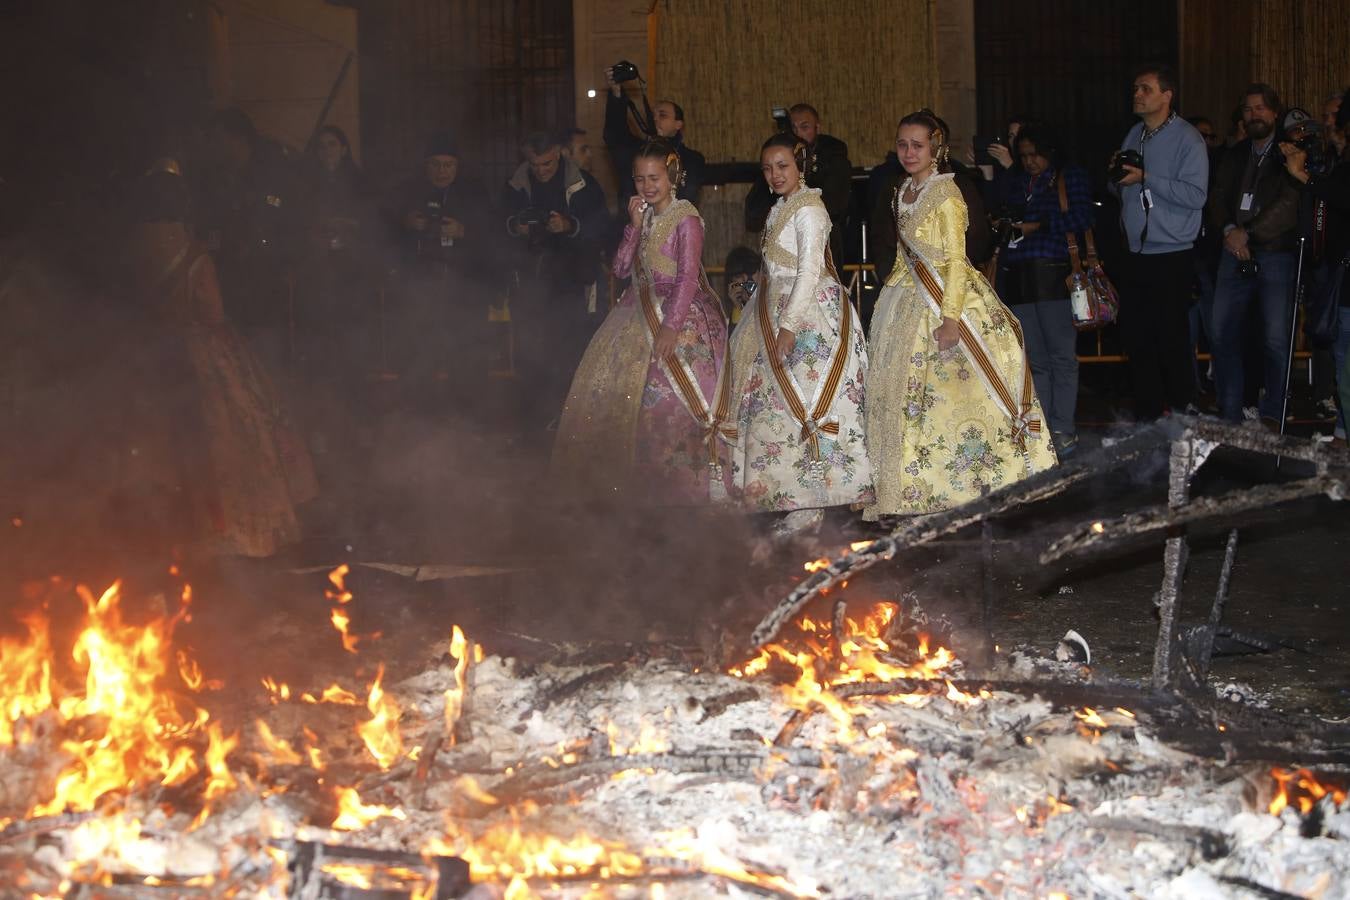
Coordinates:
[648,417]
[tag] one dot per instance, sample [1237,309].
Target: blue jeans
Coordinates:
[1341,353]
[1052,353]
[1272,287]
[1201,315]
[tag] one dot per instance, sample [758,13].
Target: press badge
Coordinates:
[1246,204]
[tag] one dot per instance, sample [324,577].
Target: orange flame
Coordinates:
[353,815]
[381,733]
[1302,788]
[25,678]
[460,649]
[143,738]
[340,618]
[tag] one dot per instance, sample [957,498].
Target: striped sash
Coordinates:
[1016,407]
[714,422]
[818,420]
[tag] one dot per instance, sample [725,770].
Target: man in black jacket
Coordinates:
[555,223]
[1254,206]
[827,168]
[667,124]
[438,322]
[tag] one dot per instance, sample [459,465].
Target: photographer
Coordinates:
[1254,206]
[436,219]
[1324,179]
[666,122]
[556,219]
[1161,174]
[436,214]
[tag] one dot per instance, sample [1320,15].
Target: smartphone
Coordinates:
[981,146]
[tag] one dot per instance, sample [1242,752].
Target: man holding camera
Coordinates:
[1160,173]
[1254,206]
[556,220]
[664,121]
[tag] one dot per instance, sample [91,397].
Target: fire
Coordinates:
[278,690]
[25,678]
[1301,787]
[649,740]
[381,732]
[280,751]
[145,737]
[340,618]
[863,655]
[353,815]
[507,854]
[460,649]
[334,693]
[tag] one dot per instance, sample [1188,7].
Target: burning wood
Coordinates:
[894,771]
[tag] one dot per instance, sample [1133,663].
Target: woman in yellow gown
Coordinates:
[951,409]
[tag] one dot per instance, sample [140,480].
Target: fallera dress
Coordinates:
[800,424]
[942,426]
[639,429]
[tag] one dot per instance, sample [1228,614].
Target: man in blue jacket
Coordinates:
[1162,203]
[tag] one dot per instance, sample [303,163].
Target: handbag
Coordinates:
[1322,311]
[1103,303]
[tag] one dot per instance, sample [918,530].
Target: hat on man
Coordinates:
[441,144]
[1297,119]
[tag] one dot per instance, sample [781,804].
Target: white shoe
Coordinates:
[1251,413]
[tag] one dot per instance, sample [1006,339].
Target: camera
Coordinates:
[780,118]
[623,71]
[1248,268]
[532,217]
[1309,140]
[1122,159]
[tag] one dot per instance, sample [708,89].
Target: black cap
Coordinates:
[441,144]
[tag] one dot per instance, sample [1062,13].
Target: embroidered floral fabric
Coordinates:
[776,468]
[935,435]
[624,429]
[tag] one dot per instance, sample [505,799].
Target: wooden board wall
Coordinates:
[1301,47]
[863,64]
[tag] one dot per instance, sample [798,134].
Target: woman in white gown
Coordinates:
[800,362]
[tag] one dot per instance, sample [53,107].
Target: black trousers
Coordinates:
[1155,297]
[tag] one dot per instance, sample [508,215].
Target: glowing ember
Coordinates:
[381,733]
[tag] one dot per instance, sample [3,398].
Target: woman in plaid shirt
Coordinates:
[1033,269]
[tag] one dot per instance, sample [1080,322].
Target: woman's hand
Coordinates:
[1001,154]
[1027,227]
[636,206]
[786,341]
[664,344]
[947,334]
